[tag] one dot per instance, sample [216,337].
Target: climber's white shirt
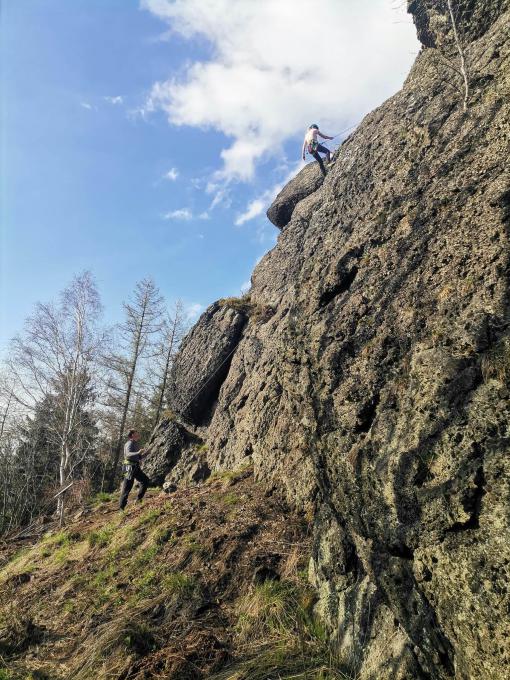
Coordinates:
[311,135]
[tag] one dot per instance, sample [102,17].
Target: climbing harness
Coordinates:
[128,469]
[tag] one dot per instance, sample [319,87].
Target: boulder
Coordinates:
[168,443]
[306,182]
[203,362]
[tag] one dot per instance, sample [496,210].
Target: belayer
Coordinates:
[133,454]
[313,146]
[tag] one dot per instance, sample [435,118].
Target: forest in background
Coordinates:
[70,388]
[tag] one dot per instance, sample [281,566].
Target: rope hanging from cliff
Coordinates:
[209,380]
[346,130]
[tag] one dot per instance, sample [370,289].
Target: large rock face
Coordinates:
[377,395]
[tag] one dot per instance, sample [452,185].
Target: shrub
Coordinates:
[139,638]
[254,310]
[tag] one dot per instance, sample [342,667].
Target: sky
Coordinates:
[146,138]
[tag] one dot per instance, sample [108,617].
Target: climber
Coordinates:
[131,468]
[313,147]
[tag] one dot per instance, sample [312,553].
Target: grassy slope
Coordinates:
[206,583]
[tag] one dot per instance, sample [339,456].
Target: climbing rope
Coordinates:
[346,130]
[183,411]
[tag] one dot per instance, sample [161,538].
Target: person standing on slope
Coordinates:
[131,466]
[312,145]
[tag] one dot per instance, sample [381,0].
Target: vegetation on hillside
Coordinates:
[205,583]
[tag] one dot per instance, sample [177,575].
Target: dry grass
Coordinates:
[495,363]
[277,636]
[165,591]
[254,311]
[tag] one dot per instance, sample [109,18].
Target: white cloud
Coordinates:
[245,287]
[181,214]
[204,216]
[87,106]
[279,66]
[221,196]
[253,209]
[171,175]
[262,202]
[114,100]
[193,310]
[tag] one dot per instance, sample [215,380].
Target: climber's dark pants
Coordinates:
[315,154]
[127,485]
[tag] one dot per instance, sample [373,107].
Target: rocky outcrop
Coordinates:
[203,363]
[472,17]
[376,397]
[170,442]
[305,183]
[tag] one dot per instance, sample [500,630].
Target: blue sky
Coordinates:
[147,138]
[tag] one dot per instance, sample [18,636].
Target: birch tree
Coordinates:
[54,360]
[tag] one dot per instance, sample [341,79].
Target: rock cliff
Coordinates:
[375,395]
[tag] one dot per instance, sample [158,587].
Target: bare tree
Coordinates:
[143,319]
[446,14]
[173,331]
[462,56]
[53,361]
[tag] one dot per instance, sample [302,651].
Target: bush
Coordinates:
[255,311]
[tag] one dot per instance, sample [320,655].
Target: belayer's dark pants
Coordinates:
[319,160]
[127,485]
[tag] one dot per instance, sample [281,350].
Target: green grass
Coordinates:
[193,545]
[177,583]
[231,499]
[162,535]
[61,555]
[145,556]
[102,497]
[149,517]
[101,537]
[229,475]
[58,539]
[146,584]
[58,546]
